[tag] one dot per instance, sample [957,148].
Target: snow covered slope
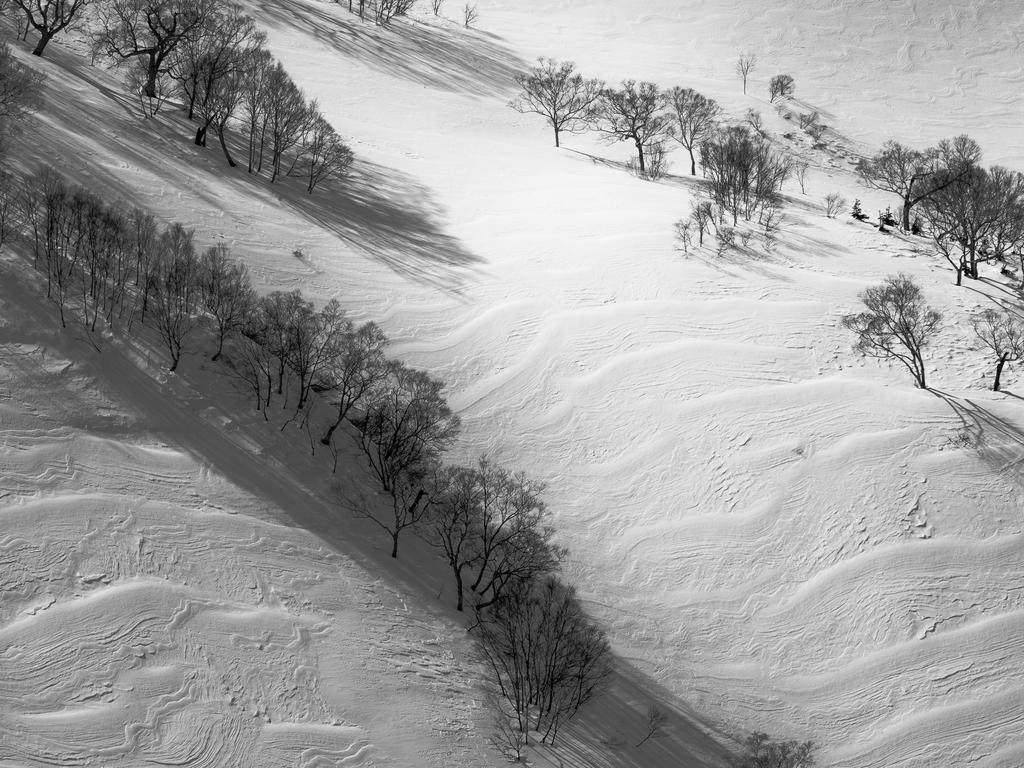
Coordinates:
[784,536]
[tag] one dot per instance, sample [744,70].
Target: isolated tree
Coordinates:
[177,289]
[745,64]
[896,324]
[696,117]
[760,751]
[228,295]
[1003,333]
[834,202]
[355,370]
[781,87]
[917,175]
[746,174]
[405,427]
[470,15]
[20,95]
[656,719]
[635,112]
[50,17]
[559,94]
[324,155]
[150,31]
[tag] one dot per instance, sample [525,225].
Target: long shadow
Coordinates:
[383,214]
[392,219]
[998,442]
[443,57]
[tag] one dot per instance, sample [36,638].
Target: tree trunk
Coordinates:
[905,216]
[151,72]
[640,157]
[394,543]
[556,137]
[201,136]
[224,146]
[44,38]
[999,372]
[458,588]
[693,164]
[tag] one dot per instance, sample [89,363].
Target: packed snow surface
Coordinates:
[783,535]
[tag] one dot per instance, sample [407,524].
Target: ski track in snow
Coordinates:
[787,537]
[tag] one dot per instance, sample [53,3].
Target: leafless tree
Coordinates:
[746,173]
[20,95]
[470,14]
[287,116]
[353,373]
[760,751]
[558,93]
[635,112]
[755,120]
[9,208]
[544,653]
[978,217]
[324,155]
[386,10]
[834,203]
[255,103]
[745,64]
[148,30]
[800,168]
[781,87]
[1003,333]
[896,324]
[656,719]
[315,339]
[50,17]
[177,289]
[405,427]
[435,6]
[703,217]
[228,295]
[696,117]
[917,175]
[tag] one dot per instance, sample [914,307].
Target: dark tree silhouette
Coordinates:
[50,17]
[696,117]
[559,94]
[633,113]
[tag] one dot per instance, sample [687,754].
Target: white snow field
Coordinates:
[778,534]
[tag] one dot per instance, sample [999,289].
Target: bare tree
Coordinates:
[50,17]
[255,103]
[435,6]
[915,175]
[470,14]
[228,294]
[696,119]
[9,208]
[545,655]
[896,324]
[316,339]
[656,719]
[324,155]
[177,289]
[781,87]
[353,373]
[386,10]
[287,116]
[148,30]
[834,203]
[800,168]
[1003,333]
[978,217]
[559,94]
[635,112]
[746,173]
[406,426]
[20,95]
[760,751]
[745,64]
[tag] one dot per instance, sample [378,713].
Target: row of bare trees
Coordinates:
[211,56]
[638,112]
[109,268]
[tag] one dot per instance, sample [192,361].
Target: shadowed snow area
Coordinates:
[778,534]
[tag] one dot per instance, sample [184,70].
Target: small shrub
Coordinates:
[834,202]
[760,751]
[857,213]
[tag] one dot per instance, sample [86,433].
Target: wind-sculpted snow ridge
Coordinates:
[142,620]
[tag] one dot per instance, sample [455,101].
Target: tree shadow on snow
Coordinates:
[997,441]
[442,56]
[391,219]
